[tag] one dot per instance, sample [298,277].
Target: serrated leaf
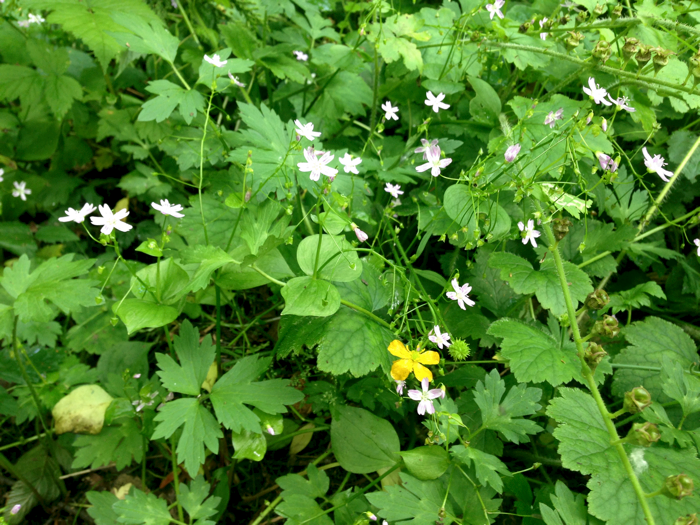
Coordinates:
[141,508]
[680,386]
[635,297]
[417,502]
[169,97]
[209,258]
[196,501]
[145,36]
[122,444]
[101,510]
[315,487]
[489,468]
[300,509]
[60,92]
[307,296]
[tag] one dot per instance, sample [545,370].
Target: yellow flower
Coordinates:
[411,361]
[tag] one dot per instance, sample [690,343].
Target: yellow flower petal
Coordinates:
[420,372]
[398,349]
[429,358]
[401,368]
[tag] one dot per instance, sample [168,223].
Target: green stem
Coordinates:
[22,442]
[9,467]
[189,26]
[218,326]
[176,479]
[177,73]
[201,169]
[320,238]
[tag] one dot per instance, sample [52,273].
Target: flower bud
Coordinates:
[643,434]
[99,299]
[601,51]
[678,487]
[100,269]
[459,350]
[597,300]
[616,12]
[564,320]
[565,19]
[637,400]
[593,355]
[113,321]
[573,40]
[630,48]
[688,519]
[475,36]
[524,27]
[608,327]
[581,17]
[560,227]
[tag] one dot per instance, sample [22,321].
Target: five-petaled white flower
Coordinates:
[596,92]
[461,294]
[317,166]
[77,215]
[301,56]
[306,130]
[543,36]
[553,116]
[390,113]
[215,60]
[21,190]
[439,338]
[606,162]
[529,233]
[361,236]
[512,152]
[235,80]
[435,102]
[426,397]
[2,172]
[425,147]
[168,209]
[435,163]
[656,165]
[621,103]
[111,221]
[495,8]
[399,389]
[350,164]
[393,189]
[697,243]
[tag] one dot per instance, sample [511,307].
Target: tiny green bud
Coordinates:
[637,400]
[100,269]
[678,487]
[630,48]
[661,58]
[459,350]
[597,300]
[524,27]
[113,321]
[600,9]
[616,12]
[644,434]
[99,299]
[564,320]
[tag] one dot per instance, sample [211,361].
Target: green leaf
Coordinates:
[679,144]
[195,360]
[101,510]
[371,292]
[485,107]
[195,499]
[209,258]
[168,284]
[418,502]
[141,508]
[493,293]
[636,297]
[571,507]
[308,296]
[248,445]
[337,259]
[426,463]
[20,82]
[17,238]
[460,205]
[122,444]
[363,442]
[208,73]
[60,92]
[504,415]
[169,97]
[315,487]
[680,386]
[489,468]
[300,509]
[256,223]
[534,355]
[145,36]
[137,314]
[651,340]
[545,283]
[38,139]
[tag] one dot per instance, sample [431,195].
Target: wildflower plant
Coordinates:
[349,262]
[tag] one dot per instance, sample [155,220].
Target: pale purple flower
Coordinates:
[361,236]
[306,130]
[604,124]
[401,384]
[621,103]
[543,36]
[77,215]
[435,163]
[21,190]
[439,338]
[215,60]
[23,23]
[425,397]
[136,376]
[350,164]
[235,80]
[529,232]
[436,102]
[606,162]
[656,165]
[270,430]
[393,189]
[596,92]
[553,116]
[15,509]
[111,221]
[460,294]
[512,152]
[390,113]
[168,209]
[317,166]
[425,147]
[697,243]
[495,8]
[301,56]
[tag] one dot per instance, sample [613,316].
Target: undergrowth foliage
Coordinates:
[343,262]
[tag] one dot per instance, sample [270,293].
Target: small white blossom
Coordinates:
[529,233]
[301,56]
[15,509]
[215,60]
[168,209]
[136,376]
[35,19]
[512,152]
[394,203]
[306,130]
[439,338]
[393,189]
[435,163]
[317,166]
[553,116]
[606,162]
[350,164]
[173,3]
[390,113]
[697,243]
[436,102]
[399,390]
[461,294]
[77,215]
[656,165]
[361,236]
[425,147]
[621,103]
[495,8]
[597,93]
[425,397]
[270,430]
[111,221]
[235,80]
[604,125]
[21,190]
[543,36]
[2,172]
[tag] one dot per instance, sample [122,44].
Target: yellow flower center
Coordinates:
[414,355]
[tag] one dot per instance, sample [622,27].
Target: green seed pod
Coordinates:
[597,300]
[643,55]
[601,51]
[573,40]
[630,48]
[524,28]
[660,58]
[644,434]
[616,12]
[637,400]
[688,519]
[678,487]
[593,355]
[560,227]
[608,327]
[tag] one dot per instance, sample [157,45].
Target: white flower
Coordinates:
[435,163]
[111,221]
[21,190]
[436,102]
[350,164]
[235,80]
[23,23]
[2,172]
[35,19]
[529,233]
[654,164]
[394,203]
[399,389]
[361,236]
[270,430]
[495,8]
[77,215]
[168,209]
[425,397]
[303,57]
[543,36]
[621,103]
[604,124]
[390,113]
[317,166]
[512,152]
[597,93]
[173,3]
[439,338]
[425,147]
[306,130]
[136,376]
[215,60]
[15,509]
[606,162]
[460,294]
[697,243]
[393,189]
[553,116]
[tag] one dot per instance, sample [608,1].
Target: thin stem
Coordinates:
[201,170]
[189,26]
[368,314]
[177,73]
[218,326]
[9,467]
[176,479]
